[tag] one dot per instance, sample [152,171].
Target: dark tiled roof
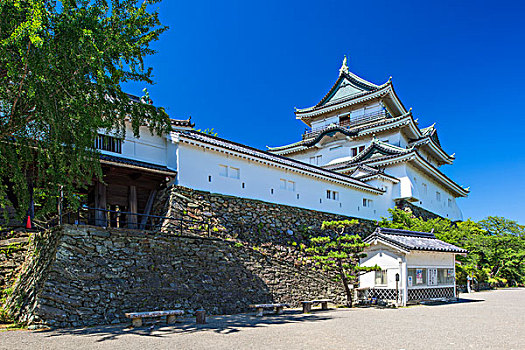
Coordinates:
[135,163]
[351,163]
[352,130]
[413,240]
[182,122]
[198,136]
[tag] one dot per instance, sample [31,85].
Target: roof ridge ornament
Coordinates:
[344,66]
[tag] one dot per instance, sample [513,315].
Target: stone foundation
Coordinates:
[13,249]
[247,219]
[417,211]
[80,276]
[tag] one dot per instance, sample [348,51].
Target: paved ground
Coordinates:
[484,320]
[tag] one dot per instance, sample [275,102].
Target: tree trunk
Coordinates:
[345,284]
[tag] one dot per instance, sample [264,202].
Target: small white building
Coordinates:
[415,266]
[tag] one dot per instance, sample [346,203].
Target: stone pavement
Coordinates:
[484,320]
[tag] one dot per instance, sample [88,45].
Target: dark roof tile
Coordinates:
[413,240]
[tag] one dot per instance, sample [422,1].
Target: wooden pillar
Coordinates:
[147,210]
[100,203]
[133,207]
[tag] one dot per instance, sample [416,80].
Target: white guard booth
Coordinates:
[415,266]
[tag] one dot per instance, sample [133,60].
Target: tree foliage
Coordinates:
[496,246]
[62,64]
[340,252]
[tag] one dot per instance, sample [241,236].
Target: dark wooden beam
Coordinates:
[100,203]
[132,219]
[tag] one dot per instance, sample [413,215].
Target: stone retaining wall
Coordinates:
[247,219]
[417,211]
[13,251]
[79,276]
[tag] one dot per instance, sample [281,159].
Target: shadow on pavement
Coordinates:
[459,301]
[219,324]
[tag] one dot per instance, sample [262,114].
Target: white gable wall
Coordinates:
[385,257]
[146,148]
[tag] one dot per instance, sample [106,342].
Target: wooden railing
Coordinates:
[121,219]
[353,121]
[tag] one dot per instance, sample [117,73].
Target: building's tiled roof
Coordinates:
[354,130]
[357,96]
[237,147]
[182,122]
[428,130]
[135,163]
[413,240]
[388,151]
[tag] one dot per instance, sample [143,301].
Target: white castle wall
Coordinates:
[412,184]
[194,166]
[197,166]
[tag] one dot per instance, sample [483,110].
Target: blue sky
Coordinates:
[242,66]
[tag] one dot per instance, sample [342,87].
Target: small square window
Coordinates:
[438,196]
[381,278]
[450,203]
[282,184]
[235,173]
[328,194]
[312,160]
[291,186]
[335,195]
[354,151]
[361,149]
[223,170]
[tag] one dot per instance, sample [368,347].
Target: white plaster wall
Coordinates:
[196,165]
[147,148]
[430,259]
[386,200]
[386,258]
[411,184]
[428,200]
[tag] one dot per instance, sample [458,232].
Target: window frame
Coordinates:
[383,277]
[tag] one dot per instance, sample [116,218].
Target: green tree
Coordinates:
[497,225]
[340,252]
[62,64]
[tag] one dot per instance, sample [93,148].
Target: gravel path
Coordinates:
[484,320]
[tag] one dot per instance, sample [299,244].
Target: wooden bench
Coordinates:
[136,317]
[307,304]
[278,308]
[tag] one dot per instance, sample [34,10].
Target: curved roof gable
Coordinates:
[347,84]
[350,87]
[378,149]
